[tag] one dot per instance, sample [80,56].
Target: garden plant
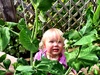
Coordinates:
[84,44]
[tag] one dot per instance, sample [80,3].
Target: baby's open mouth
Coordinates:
[55,50]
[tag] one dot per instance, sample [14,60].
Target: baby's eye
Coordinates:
[51,41]
[59,41]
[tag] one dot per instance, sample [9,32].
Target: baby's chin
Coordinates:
[56,53]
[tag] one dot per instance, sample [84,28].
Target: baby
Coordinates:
[52,46]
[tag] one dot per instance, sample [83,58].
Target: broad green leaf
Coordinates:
[86,40]
[98,2]
[2,72]
[24,68]
[94,31]
[7,63]
[2,22]
[69,55]
[88,58]
[21,24]
[74,35]
[43,5]
[26,73]
[96,48]
[42,17]
[11,24]
[87,27]
[4,37]
[77,65]
[96,16]
[81,58]
[89,12]
[87,55]
[26,41]
[47,65]
[2,58]
[22,61]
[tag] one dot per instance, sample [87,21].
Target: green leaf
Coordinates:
[2,72]
[98,2]
[22,61]
[77,65]
[87,27]
[11,24]
[47,65]
[96,16]
[44,65]
[2,58]
[86,40]
[6,63]
[4,37]
[26,41]
[70,54]
[90,57]
[43,5]
[42,17]
[26,73]
[74,34]
[81,57]
[24,68]
[2,22]
[21,24]
[89,12]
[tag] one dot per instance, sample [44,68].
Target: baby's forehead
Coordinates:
[53,37]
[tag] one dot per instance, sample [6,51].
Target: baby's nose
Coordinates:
[55,43]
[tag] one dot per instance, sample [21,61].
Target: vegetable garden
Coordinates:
[21,31]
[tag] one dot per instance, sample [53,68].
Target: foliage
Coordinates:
[5,64]
[44,67]
[84,42]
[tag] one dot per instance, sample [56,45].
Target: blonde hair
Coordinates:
[47,34]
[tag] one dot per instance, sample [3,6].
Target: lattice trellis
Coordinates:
[64,15]
[68,15]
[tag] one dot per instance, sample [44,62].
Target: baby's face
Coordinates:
[54,45]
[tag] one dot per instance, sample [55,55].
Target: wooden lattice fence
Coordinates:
[69,15]
[64,14]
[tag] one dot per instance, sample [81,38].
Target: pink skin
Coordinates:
[54,46]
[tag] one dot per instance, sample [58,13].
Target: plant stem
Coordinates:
[31,58]
[2,66]
[69,70]
[34,33]
[14,32]
[78,52]
[36,22]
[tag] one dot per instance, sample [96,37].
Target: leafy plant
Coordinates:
[85,42]
[44,67]
[27,38]
[4,65]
